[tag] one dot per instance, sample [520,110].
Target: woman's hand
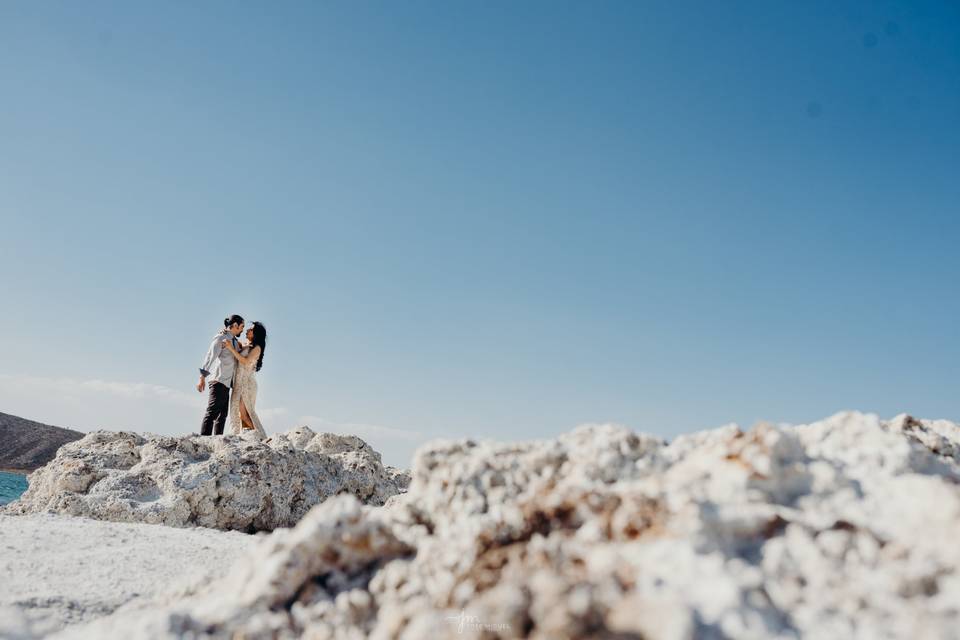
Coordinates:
[226,344]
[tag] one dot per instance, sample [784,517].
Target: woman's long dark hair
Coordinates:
[259,340]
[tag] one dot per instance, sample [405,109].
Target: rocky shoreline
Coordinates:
[845,527]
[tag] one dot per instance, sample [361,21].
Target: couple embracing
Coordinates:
[232,364]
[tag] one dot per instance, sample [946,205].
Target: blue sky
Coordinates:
[495,220]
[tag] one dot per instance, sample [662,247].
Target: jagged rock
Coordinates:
[399,477]
[845,527]
[220,482]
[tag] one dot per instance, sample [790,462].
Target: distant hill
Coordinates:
[26,445]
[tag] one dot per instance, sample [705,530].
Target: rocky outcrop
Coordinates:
[26,445]
[227,482]
[841,528]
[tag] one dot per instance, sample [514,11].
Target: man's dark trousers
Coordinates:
[216,416]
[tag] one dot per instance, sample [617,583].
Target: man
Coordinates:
[219,365]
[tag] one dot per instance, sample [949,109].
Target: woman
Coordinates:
[243,400]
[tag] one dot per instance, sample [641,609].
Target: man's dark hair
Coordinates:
[234,319]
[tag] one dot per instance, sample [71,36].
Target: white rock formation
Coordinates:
[220,482]
[57,570]
[844,528]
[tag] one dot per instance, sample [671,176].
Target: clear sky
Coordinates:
[486,219]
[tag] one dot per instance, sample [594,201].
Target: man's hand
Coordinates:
[201,384]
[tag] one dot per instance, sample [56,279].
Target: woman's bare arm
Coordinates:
[243,359]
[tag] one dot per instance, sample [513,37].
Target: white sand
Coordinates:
[59,570]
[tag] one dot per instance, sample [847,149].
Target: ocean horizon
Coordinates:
[12,485]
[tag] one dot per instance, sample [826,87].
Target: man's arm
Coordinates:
[212,354]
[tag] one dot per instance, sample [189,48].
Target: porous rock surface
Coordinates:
[843,528]
[228,482]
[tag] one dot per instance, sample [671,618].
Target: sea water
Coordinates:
[11,486]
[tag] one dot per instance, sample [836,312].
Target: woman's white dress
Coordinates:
[245,391]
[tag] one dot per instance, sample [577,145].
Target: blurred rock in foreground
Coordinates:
[843,528]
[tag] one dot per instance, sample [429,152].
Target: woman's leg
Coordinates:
[244,416]
[250,417]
